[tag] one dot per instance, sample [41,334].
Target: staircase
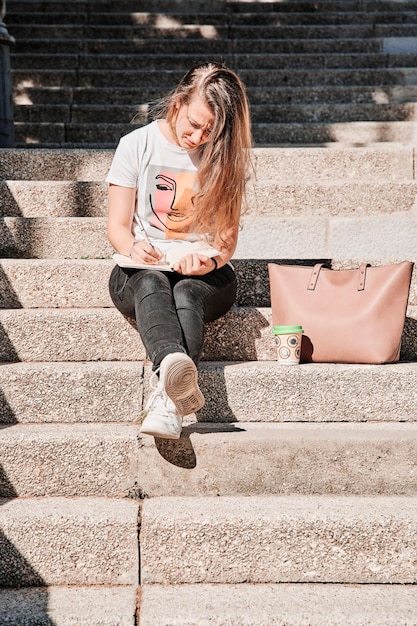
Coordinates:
[317,71]
[291,498]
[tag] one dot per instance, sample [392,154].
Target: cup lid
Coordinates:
[286,330]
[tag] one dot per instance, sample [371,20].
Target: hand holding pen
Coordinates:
[149,256]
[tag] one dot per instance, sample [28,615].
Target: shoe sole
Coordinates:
[180,383]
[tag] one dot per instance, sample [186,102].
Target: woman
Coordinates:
[180,178]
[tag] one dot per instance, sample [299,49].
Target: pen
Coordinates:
[142,230]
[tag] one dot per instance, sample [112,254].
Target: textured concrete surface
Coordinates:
[279,539]
[336,197]
[114,460]
[320,236]
[375,162]
[69,460]
[68,335]
[53,198]
[291,197]
[316,202]
[71,392]
[374,236]
[270,459]
[55,283]
[243,334]
[262,236]
[59,541]
[69,606]
[278,605]
[50,283]
[311,392]
[245,392]
[382,162]
[54,237]
[86,165]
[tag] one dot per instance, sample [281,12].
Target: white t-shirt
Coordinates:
[165,177]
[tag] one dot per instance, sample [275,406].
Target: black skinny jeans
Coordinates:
[171,309]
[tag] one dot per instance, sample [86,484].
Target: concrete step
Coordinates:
[57,283]
[222,28]
[287,113]
[335,197]
[60,283]
[71,392]
[37,113]
[248,18]
[308,235]
[132,62]
[278,604]
[47,165]
[140,97]
[53,198]
[75,237]
[282,459]
[74,98]
[69,460]
[314,95]
[325,113]
[341,17]
[321,236]
[53,61]
[62,606]
[72,541]
[377,43]
[253,78]
[136,45]
[350,133]
[323,31]
[325,5]
[94,6]
[229,540]
[102,392]
[152,19]
[356,133]
[375,163]
[172,31]
[333,459]
[104,335]
[236,6]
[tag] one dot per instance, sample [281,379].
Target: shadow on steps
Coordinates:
[15,570]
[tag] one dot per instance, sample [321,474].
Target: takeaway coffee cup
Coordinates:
[288,343]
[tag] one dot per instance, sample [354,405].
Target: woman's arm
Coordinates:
[226,244]
[121,207]
[197,264]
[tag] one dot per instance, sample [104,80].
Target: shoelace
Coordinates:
[159,395]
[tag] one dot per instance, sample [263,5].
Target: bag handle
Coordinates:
[316,271]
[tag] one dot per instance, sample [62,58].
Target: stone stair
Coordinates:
[317,72]
[291,499]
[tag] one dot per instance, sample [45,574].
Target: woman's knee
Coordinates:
[190,294]
[149,282]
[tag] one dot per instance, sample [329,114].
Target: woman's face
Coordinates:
[193,123]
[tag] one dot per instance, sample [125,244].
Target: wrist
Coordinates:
[215,263]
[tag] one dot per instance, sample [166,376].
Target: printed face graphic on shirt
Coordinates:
[170,198]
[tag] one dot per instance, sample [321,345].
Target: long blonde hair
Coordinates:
[224,165]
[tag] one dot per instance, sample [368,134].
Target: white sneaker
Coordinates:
[178,375]
[162,419]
